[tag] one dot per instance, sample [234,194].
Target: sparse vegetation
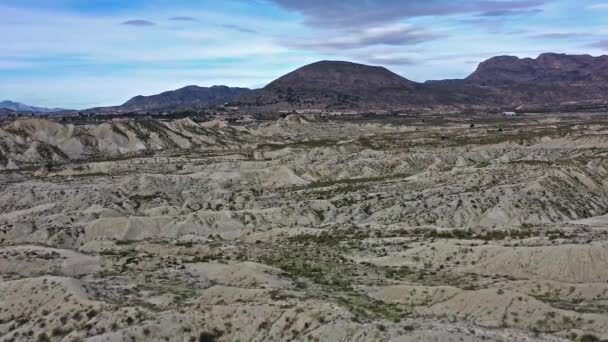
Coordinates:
[298,228]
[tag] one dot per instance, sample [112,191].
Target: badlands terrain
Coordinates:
[308,229]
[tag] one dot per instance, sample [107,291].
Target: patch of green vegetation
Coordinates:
[299,144]
[327,238]
[591,338]
[366,308]
[358,181]
[181,291]
[523,232]
[90,174]
[124,242]
[486,235]
[118,131]
[329,271]
[210,336]
[187,244]
[398,272]
[318,259]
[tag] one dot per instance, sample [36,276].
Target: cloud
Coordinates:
[506,13]
[602,44]
[493,25]
[419,39]
[357,13]
[389,60]
[11,64]
[182,18]
[598,6]
[44,38]
[559,35]
[392,35]
[138,22]
[239,28]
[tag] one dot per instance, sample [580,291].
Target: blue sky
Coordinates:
[86,53]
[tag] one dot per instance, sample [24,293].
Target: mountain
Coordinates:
[22,108]
[551,81]
[5,112]
[346,86]
[548,67]
[342,77]
[186,98]
[333,85]
[190,96]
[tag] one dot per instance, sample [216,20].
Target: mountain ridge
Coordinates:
[18,107]
[188,95]
[332,85]
[547,67]
[186,98]
[551,81]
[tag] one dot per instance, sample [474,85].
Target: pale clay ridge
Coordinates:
[37,141]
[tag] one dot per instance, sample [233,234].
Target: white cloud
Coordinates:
[386,35]
[77,61]
[70,59]
[103,39]
[598,6]
[81,91]
[7,64]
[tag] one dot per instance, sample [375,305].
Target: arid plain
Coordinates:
[449,228]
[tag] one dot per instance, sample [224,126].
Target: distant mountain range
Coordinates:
[17,107]
[186,98]
[548,67]
[550,82]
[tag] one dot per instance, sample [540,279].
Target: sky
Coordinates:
[86,53]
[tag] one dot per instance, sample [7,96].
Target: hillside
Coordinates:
[186,98]
[548,67]
[551,81]
[4,112]
[23,108]
[334,85]
[305,229]
[342,76]
[190,96]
